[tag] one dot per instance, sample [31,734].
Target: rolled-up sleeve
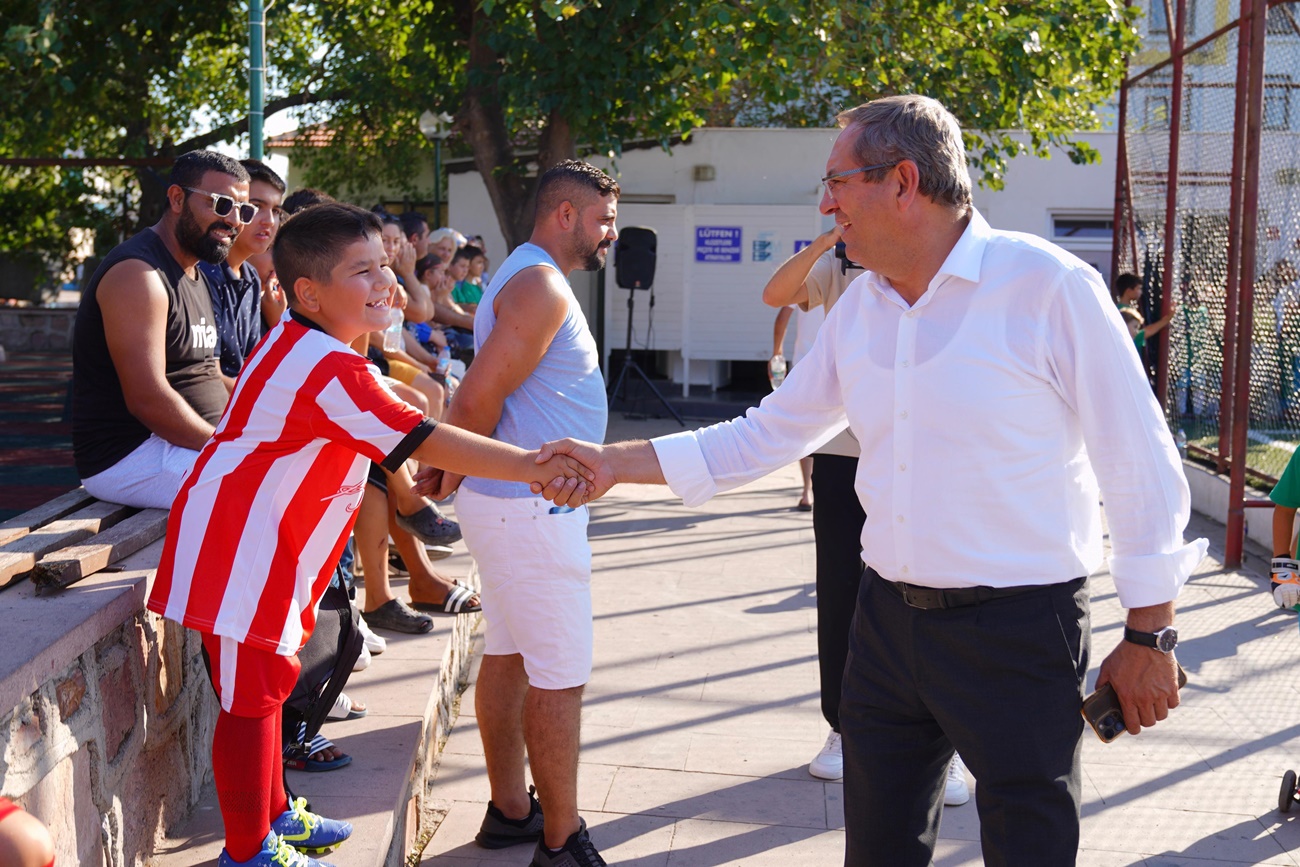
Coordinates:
[1144,490]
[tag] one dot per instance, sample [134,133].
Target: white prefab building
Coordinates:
[730,205]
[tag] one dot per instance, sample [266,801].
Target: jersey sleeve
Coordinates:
[1287,491]
[359,410]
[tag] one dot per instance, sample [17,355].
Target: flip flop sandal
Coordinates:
[296,760]
[457,602]
[343,709]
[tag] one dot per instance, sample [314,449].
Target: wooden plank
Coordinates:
[62,505]
[65,567]
[19,557]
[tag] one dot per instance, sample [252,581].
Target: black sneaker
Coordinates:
[498,832]
[578,851]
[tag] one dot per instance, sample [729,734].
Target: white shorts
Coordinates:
[535,565]
[148,478]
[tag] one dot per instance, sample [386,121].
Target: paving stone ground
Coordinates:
[702,712]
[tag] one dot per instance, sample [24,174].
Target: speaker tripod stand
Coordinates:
[630,366]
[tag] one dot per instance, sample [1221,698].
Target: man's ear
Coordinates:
[909,183]
[176,198]
[305,290]
[566,215]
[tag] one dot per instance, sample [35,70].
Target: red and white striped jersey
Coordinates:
[261,520]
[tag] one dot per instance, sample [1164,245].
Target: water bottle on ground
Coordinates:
[393,333]
[776,369]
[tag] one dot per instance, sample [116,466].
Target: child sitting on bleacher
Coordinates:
[262,518]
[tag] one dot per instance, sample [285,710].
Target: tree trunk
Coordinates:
[511,188]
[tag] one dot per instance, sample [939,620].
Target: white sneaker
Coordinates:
[374,643]
[363,661]
[438,552]
[956,792]
[829,763]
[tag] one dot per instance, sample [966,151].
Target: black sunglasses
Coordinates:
[223,205]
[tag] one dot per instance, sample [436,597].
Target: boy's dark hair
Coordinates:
[1125,282]
[467,253]
[412,221]
[189,168]
[567,180]
[260,171]
[423,266]
[304,197]
[311,243]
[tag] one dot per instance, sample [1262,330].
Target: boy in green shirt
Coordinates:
[1285,582]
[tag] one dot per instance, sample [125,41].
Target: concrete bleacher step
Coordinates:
[410,691]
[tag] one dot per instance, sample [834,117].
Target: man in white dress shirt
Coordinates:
[996,394]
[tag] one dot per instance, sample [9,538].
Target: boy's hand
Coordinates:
[566,477]
[1285,583]
[591,456]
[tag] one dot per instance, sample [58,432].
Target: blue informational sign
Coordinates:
[717,243]
[799,245]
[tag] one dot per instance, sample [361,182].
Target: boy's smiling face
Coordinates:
[357,298]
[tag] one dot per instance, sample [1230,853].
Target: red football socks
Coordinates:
[245,758]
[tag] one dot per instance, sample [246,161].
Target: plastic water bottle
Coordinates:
[1180,440]
[776,371]
[444,361]
[393,333]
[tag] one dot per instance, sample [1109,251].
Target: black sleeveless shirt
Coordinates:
[103,429]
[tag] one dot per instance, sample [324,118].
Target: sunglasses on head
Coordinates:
[223,205]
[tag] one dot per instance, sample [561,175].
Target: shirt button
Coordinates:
[902,467]
[901,519]
[907,364]
[903,414]
[911,314]
[905,570]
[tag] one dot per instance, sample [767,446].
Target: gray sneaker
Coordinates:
[498,832]
[578,851]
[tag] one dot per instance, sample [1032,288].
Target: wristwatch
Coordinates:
[1163,640]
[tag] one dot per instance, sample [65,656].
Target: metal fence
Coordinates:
[1207,212]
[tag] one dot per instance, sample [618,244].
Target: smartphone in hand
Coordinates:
[1103,713]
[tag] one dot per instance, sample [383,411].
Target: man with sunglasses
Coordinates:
[243,313]
[146,387]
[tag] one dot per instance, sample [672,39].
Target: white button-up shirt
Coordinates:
[992,414]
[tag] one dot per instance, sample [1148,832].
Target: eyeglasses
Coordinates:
[827,181]
[223,205]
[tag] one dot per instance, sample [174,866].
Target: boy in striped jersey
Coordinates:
[262,518]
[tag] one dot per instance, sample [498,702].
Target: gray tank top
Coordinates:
[564,396]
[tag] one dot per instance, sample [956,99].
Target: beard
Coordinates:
[595,260]
[197,241]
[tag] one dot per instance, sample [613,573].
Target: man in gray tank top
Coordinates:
[536,378]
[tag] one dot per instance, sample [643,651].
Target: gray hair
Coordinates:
[916,128]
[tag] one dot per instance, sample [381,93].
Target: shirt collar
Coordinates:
[304,321]
[963,261]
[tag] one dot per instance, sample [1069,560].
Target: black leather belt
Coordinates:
[957,597]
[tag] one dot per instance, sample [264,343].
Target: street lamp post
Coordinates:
[436,128]
[256,76]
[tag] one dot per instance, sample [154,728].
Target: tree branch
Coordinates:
[239,127]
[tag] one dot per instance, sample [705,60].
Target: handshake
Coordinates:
[1285,583]
[578,472]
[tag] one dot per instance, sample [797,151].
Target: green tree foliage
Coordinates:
[531,82]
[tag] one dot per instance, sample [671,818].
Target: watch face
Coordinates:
[1166,639]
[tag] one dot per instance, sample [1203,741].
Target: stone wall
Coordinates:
[112,749]
[28,329]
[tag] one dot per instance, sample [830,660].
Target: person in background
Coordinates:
[1284,583]
[1128,292]
[465,291]
[243,312]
